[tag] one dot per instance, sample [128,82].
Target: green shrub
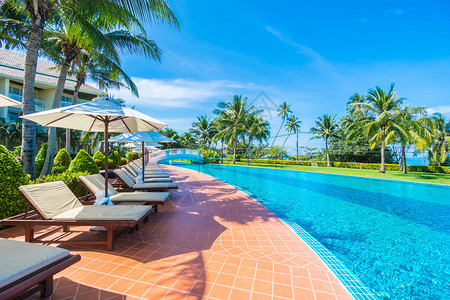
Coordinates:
[123,161]
[83,162]
[114,161]
[211,156]
[61,162]
[12,176]
[40,158]
[99,159]
[130,155]
[70,179]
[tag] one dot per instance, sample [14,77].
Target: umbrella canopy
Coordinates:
[6,101]
[101,114]
[147,145]
[143,137]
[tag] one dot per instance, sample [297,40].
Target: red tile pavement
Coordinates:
[211,241]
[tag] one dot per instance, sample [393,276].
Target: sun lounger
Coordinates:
[148,175]
[96,183]
[55,204]
[28,268]
[129,184]
[137,179]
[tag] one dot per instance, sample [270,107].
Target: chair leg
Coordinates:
[66,228]
[109,238]
[47,287]
[155,208]
[29,233]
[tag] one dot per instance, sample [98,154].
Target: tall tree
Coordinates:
[205,129]
[234,115]
[379,118]
[293,125]
[283,112]
[326,128]
[108,32]
[256,129]
[440,149]
[38,12]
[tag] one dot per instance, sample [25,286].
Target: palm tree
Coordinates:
[379,119]
[440,149]
[283,112]
[38,12]
[355,106]
[415,132]
[187,140]
[11,134]
[234,115]
[326,128]
[100,68]
[293,125]
[257,129]
[204,129]
[171,134]
[221,134]
[105,33]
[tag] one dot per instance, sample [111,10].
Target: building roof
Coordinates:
[12,64]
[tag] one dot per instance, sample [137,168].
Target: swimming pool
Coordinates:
[393,235]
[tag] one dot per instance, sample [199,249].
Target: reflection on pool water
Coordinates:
[393,235]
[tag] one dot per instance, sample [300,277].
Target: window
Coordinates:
[14,116]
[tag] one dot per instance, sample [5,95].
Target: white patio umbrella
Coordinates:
[6,101]
[101,114]
[137,145]
[142,137]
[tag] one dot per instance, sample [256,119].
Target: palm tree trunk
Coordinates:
[285,140]
[234,151]
[51,150]
[248,151]
[328,154]
[403,160]
[28,150]
[221,152]
[297,145]
[74,101]
[273,142]
[383,145]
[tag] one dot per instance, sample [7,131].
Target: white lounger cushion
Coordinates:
[19,259]
[155,185]
[96,183]
[51,198]
[141,197]
[104,213]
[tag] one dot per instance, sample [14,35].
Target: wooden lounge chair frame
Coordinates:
[41,280]
[30,219]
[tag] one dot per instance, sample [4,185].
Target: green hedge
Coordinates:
[61,162]
[12,176]
[99,159]
[367,166]
[70,179]
[83,162]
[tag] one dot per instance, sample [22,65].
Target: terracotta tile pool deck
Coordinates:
[211,241]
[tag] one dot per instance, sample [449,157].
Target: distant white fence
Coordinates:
[173,154]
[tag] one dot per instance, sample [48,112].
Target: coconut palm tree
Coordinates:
[440,149]
[221,134]
[205,129]
[326,128]
[415,132]
[38,13]
[256,129]
[104,33]
[234,115]
[379,118]
[283,112]
[293,125]
[355,106]
[171,134]
[102,69]
[187,140]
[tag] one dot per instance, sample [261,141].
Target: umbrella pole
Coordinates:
[106,156]
[143,161]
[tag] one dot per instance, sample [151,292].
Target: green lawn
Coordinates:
[411,176]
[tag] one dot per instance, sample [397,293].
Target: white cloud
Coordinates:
[444,109]
[179,93]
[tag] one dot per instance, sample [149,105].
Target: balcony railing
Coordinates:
[39,104]
[65,103]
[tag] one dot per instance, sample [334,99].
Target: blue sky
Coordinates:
[311,54]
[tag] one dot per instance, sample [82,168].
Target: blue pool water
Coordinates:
[393,235]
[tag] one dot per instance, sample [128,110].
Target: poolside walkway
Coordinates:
[210,242]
